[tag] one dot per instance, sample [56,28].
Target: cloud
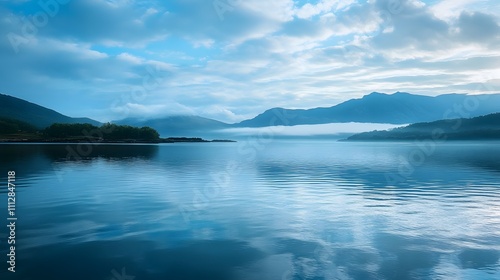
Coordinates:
[478,27]
[142,111]
[449,9]
[112,23]
[413,28]
[130,58]
[309,10]
[137,55]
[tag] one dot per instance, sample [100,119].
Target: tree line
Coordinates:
[13,126]
[107,131]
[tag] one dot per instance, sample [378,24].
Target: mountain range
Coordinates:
[36,115]
[397,108]
[178,125]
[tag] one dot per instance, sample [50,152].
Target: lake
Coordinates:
[263,209]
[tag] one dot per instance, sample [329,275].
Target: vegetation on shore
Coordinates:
[18,131]
[106,132]
[478,128]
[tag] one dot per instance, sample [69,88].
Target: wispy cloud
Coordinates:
[261,54]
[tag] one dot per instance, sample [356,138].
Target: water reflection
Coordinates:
[97,259]
[30,159]
[296,211]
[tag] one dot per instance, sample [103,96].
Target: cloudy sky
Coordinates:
[232,59]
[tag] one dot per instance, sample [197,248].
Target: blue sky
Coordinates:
[232,59]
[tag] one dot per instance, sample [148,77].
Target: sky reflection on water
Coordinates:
[298,210]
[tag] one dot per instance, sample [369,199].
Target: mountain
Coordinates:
[178,125]
[36,115]
[397,108]
[478,128]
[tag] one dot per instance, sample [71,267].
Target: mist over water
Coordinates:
[314,130]
[296,209]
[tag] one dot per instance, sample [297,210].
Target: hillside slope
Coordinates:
[36,115]
[478,128]
[178,125]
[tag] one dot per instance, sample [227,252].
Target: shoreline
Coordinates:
[126,141]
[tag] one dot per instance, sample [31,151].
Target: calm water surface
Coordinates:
[278,210]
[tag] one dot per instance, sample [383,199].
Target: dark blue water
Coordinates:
[254,210]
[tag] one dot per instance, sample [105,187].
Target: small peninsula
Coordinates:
[16,131]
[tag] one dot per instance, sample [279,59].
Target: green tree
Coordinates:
[109,131]
[65,130]
[148,133]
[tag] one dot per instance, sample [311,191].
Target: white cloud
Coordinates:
[129,58]
[309,10]
[277,10]
[449,9]
[136,110]
[262,54]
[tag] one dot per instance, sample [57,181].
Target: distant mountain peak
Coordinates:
[275,109]
[375,93]
[397,108]
[177,125]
